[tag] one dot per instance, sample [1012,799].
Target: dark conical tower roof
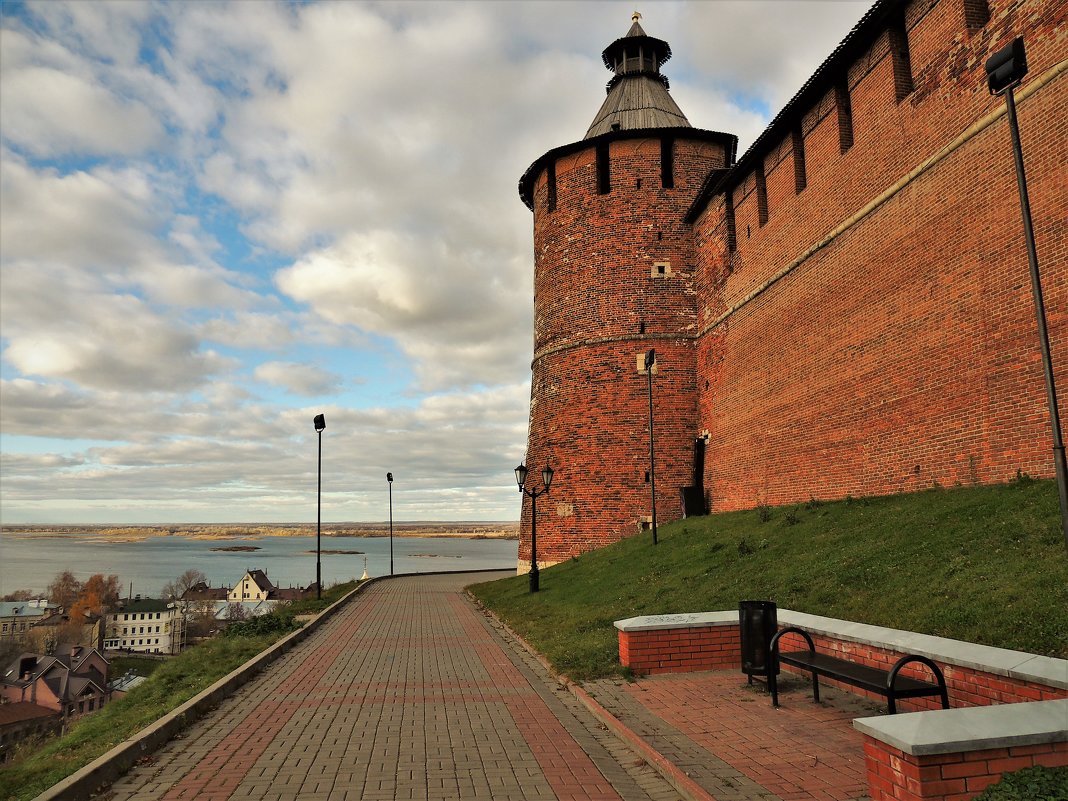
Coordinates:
[637,94]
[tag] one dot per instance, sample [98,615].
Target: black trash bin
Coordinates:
[758,622]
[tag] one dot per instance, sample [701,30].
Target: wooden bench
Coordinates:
[882,682]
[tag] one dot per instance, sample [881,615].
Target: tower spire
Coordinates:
[637,93]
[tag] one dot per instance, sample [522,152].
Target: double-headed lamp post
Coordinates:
[547,480]
[650,360]
[1004,71]
[320,424]
[389,480]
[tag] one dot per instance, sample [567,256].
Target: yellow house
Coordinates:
[253,586]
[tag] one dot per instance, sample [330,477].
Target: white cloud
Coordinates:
[299,379]
[195,195]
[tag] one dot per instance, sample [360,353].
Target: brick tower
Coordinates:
[614,276]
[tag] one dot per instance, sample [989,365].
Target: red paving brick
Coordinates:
[800,752]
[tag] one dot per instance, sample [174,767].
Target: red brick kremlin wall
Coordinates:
[865,327]
[899,350]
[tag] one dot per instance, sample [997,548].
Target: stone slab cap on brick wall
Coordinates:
[976,728]
[680,621]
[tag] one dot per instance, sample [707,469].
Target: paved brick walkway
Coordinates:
[726,736]
[406,693]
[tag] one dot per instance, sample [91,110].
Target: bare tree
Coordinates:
[174,590]
[235,612]
[64,589]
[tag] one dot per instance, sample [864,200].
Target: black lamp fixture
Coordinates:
[650,360]
[389,480]
[1004,72]
[546,480]
[320,424]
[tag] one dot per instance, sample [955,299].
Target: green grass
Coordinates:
[170,685]
[138,665]
[982,564]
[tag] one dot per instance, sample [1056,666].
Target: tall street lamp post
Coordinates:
[320,424]
[1004,71]
[650,360]
[389,480]
[546,480]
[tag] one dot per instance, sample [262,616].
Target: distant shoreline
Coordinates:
[253,531]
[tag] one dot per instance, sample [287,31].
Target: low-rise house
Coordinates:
[145,625]
[21,721]
[255,586]
[119,687]
[72,681]
[18,617]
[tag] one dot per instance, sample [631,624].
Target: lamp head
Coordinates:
[1007,67]
[320,422]
[521,476]
[650,359]
[389,477]
[547,477]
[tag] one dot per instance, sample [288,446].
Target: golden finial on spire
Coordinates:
[635,16]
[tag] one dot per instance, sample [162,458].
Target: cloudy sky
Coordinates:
[220,219]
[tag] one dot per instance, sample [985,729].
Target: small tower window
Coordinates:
[899,54]
[728,212]
[800,179]
[762,195]
[667,162]
[604,181]
[550,179]
[845,115]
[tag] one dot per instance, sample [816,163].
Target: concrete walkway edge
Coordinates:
[109,766]
[671,773]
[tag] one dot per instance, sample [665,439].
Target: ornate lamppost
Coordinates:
[546,480]
[650,360]
[320,424]
[389,480]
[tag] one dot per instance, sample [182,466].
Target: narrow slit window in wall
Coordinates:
[845,115]
[800,179]
[976,14]
[762,196]
[732,232]
[899,54]
[550,179]
[604,182]
[667,162]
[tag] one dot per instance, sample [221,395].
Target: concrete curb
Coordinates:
[671,773]
[108,767]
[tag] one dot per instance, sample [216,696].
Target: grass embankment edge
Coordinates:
[979,564]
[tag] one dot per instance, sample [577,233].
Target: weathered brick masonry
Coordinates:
[845,310]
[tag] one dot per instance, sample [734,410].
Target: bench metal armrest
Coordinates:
[790,630]
[940,679]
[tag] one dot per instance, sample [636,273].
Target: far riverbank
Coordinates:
[507,530]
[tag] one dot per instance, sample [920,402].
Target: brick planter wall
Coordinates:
[894,775]
[681,650]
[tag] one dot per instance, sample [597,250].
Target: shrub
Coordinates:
[1030,784]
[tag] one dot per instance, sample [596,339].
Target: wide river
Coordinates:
[32,562]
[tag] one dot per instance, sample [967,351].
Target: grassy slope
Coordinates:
[982,564]
[170,685]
